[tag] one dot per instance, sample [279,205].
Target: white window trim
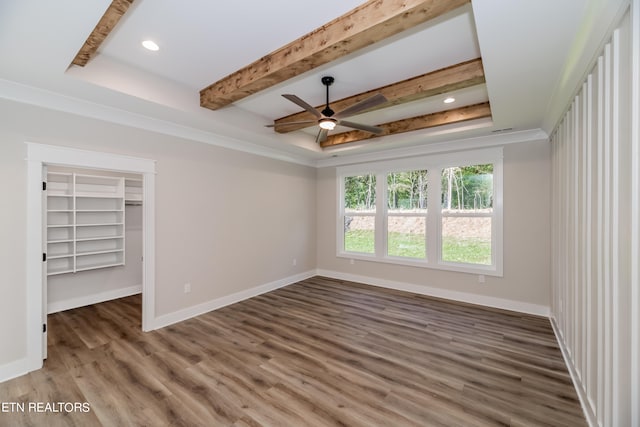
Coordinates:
[434,219]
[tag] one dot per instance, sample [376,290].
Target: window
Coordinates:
[407,214]
[359,213]
[439,211]
[467,210]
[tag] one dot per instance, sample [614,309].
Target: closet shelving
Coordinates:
[85,222]
[133,191]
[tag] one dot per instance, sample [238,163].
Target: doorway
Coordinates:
[41,155]
[93,235]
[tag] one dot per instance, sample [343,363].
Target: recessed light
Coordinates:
[150,45]
[449,100]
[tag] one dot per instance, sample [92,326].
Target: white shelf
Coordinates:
[59,256]
[86,222]
[95,267]
[59,184]
[59,204]
[98,210]
[98,252]
[104,259]
[98,186]
[83,204]
[59,219]
[95,196]
[99,238]
[99,224]
[60,265]
[54,272]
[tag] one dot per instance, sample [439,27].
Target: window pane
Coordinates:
[360,193]
[406,237]
[467,188]
[466,240]
[359,234]
[407,191]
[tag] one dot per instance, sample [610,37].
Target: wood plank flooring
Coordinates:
[321,352]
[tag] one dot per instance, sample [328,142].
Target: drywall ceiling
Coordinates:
[532,54]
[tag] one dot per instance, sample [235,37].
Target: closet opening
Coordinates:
[93,250]
[77,227]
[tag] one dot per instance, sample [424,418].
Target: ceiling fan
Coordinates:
[327,119]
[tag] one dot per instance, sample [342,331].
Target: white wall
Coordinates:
[226,221]
[13,296]
[525,284]
[595,232]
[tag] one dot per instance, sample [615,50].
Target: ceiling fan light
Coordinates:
[150,45]
[327,124]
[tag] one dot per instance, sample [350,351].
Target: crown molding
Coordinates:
[500,139]
[55,101]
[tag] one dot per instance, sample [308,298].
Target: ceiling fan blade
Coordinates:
[366,128]
[304,105]
[291,123]
[365,104]
[322,136]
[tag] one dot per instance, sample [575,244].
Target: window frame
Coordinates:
[373,214]
[386,215]
[434,164]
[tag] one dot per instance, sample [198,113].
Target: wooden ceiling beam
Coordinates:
[457,115]
[459,76]
[367,24]
[107,23]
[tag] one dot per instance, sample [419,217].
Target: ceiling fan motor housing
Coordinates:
[328,112]
[327,80]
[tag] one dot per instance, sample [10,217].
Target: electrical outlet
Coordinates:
[351,261]
[295,262]
[187,288]
[480,278]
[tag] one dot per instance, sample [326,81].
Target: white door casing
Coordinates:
[40,155]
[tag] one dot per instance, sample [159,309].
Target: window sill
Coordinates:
[488,270]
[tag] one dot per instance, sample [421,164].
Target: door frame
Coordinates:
[39,155]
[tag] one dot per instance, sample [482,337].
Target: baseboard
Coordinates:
[54,307]
[505,304]
[197,310]
[15,369]
[589,413]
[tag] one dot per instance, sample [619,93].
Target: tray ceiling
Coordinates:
[524,46]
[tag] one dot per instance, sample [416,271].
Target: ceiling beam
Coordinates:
[457,115]
[367,24]
[460,76]
[107,23]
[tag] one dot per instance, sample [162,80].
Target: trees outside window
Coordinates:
[359,213]
[407,214]
[437,211]
[467,210]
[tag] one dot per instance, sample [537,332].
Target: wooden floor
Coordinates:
[317,353]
